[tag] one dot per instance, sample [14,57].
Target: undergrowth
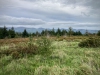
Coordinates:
[91,42]
[44,46]
[41,46]
[66,58]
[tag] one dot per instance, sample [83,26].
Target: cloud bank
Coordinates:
[83,14]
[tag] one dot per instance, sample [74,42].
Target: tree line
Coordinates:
[10,33]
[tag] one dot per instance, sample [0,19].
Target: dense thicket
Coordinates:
[91,42]
[10,33]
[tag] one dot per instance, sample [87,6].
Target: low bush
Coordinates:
[44,45]
[27,49]
[20,50]
[91,42]
[60,39]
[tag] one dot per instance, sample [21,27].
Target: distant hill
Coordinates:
[31,30]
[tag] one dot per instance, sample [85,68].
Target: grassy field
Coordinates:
[66,59]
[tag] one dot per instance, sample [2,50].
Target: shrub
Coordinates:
[91,42]
[27,50]
[44,45]
[20,50]
[60,39]
[15,55]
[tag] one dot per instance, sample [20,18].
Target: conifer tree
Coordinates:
[98,33]
[25,33]
[12,32]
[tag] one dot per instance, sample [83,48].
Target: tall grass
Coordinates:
[66,59]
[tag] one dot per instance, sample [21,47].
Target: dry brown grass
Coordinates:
[14,40]
[61,38]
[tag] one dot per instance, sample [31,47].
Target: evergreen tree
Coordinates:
[1,33]
[43,33]
[53,32]
[12,32]
[37,33]
[70,31]
[64,32]
[5,32]
[25,33]
[98,33]
[79,33]
[46,32]
[58,32]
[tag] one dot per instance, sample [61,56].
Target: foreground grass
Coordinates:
[66,59]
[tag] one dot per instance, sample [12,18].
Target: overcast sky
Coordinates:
[78,14]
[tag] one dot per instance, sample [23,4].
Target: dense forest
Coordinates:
[10,33]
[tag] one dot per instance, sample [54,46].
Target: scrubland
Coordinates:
[56,56]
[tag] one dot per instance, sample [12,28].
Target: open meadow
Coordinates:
[60,56]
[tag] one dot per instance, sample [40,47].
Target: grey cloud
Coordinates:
[91,3]
[77,25]
[53,7]
[8,4]
[95,4]
[8,20]
[42,13]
